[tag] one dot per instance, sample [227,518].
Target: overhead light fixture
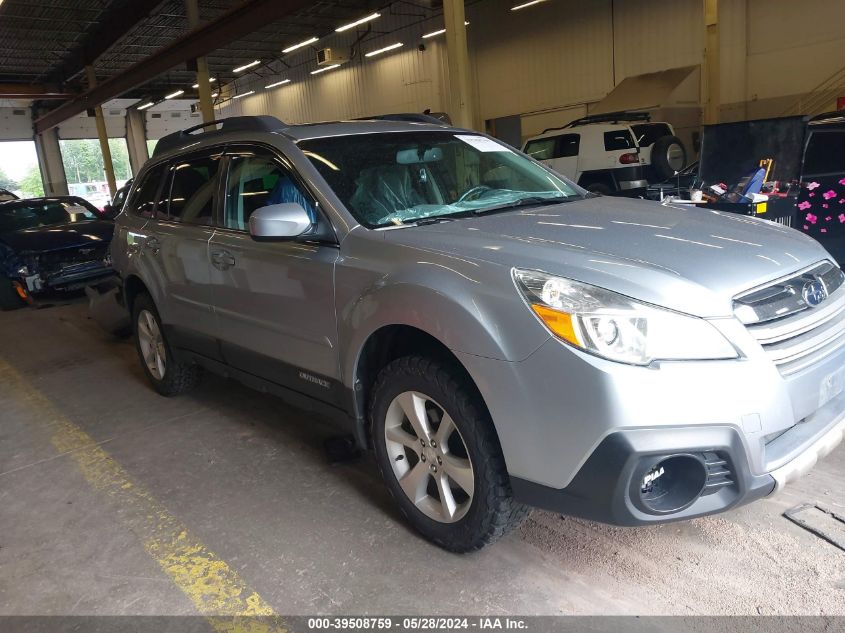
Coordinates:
[173,95]
[214,95]
[351,25]
[440,32]
[245,66]
[300,45]
[211,81]
[245,94]
[383,50]
[324,69]
[527,4]
[146,105]
[278,83]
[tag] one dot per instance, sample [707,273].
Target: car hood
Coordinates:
[684,258]
[59,236]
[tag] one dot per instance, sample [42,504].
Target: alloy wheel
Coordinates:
[151,343]
[429,457]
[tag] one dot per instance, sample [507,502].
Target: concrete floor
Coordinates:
[95,468]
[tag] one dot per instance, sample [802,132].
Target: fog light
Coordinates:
[673,484]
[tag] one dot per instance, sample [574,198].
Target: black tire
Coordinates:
[668,155]
[599,188]
[177,377]
[491,511]
[9,299]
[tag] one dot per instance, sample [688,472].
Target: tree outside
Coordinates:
[6,182]
[83,160]
[31,185]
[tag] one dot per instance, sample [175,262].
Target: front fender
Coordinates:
[471,310]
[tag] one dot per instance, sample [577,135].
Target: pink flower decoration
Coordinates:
[806,228]
[842,182]
[827,195]
[842,218]
[842,201]
[828,218]
[812,185]
[812,195]
[824,230]
[804,205]
[825,205]
[812,219]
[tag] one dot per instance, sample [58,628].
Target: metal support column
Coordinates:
[206,103]
[50,163]
[102,134]
[136,139]
[462,110]
[712,70]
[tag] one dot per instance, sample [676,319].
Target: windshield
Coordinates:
[393,179]
[38,214]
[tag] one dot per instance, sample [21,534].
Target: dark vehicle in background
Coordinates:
[6,195]
[59,243]
[113,209]
[804,182]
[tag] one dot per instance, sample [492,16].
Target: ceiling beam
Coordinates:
[248,16]
[33,91]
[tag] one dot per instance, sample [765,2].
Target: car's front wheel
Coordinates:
[9,299]
[167,375]
[439,455]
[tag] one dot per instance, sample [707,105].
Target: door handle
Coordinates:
[222,260]
[153,244]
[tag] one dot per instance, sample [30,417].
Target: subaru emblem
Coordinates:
[814,293]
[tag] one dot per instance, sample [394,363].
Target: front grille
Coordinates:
[793,334]
[719,473]
[56,260]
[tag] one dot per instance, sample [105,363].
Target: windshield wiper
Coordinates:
[529,201]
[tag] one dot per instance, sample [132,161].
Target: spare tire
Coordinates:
[668,156]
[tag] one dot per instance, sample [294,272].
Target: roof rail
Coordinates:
[610,117]
[263,123]
[837,116]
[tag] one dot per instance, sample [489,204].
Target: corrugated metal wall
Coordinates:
[547,62]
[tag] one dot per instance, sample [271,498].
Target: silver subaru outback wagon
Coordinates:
[499,337]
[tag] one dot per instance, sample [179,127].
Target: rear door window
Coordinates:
[190,197]
[568,145]
[618,140]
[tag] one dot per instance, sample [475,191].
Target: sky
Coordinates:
[16,157]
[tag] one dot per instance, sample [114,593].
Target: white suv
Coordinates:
[605,154]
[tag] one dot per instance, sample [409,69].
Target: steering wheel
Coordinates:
[473,193]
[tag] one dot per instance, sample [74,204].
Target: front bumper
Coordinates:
[607,487]
[578,431]
[69,277]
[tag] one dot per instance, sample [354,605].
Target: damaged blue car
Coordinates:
[58,243]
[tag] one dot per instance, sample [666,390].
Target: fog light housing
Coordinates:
[672,484]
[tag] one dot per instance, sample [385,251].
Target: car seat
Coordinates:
[382,191]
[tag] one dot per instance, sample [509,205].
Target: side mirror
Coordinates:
[284,221]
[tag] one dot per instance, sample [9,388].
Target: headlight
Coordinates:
[615,327]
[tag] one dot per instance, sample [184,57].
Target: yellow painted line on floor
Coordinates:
[216,590]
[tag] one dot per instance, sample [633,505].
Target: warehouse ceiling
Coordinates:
[47,42]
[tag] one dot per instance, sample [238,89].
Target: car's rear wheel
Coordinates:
[9,299]
[167,375]
[439,455]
